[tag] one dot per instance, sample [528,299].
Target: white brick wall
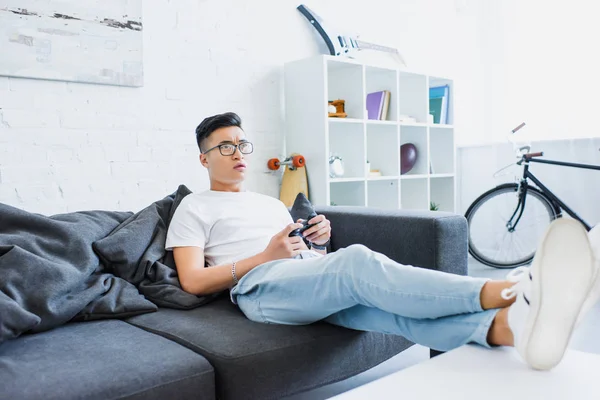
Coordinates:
[71,146]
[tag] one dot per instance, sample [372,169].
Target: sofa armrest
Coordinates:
[428,239]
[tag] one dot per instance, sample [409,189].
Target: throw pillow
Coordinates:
[302,208]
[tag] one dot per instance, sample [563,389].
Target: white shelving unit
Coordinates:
[310,83]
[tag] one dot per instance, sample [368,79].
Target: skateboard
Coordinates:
[294,179]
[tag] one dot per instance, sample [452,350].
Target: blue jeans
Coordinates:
[361,289]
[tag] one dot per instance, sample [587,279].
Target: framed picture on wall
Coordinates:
[97,41]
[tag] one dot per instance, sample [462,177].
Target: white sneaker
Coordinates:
[550,294]
[594,295]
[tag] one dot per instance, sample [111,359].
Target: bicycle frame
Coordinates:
[524,184]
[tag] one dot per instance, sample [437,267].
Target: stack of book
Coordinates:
[438,103]
[378,104]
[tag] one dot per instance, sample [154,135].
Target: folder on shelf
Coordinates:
[438,103]
[378,104]
[374,104]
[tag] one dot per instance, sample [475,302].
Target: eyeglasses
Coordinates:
[228,149]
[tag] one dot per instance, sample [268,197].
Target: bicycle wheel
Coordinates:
[491,242]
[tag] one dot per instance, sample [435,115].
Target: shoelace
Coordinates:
[518,275]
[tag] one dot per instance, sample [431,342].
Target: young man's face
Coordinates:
[222,166]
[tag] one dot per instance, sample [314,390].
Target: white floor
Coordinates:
[584,339]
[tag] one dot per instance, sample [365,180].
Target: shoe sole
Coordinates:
[594,294]
[563,272]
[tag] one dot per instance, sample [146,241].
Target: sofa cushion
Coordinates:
[101,360]
[254,360]
[302,208]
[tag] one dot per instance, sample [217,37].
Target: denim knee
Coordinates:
[359,251]
[355,255]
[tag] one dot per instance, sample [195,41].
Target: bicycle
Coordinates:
[506,223]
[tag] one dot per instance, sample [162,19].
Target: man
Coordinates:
[243,237]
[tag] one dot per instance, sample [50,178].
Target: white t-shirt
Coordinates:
[229,226]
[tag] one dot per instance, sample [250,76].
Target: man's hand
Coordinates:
[283,246]
[320,233]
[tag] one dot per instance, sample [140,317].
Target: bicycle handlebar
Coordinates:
[529,156]
[518,127]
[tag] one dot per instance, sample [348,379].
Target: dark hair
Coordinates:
[211,124]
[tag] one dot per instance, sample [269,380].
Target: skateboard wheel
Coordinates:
[273,164]
[298,161]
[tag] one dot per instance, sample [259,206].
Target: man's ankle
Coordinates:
[491,295]
[500,333]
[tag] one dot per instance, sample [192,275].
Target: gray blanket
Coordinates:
[86,265]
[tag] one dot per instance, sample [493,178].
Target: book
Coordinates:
[435,109]
[438,103]
[375,104]
[386,105]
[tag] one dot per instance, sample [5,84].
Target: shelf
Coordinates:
[383,194]
[413,96]
[383,149]
[413,124]
[357,139]
[416,135]
[379,122]
[442,193]
[441,126]
[345,120]
[382,178]
[371,178]
[348,141]
[338,180]
[345,81]
[393,123]
[437,81]
[341,64]
[441,150]
[378,79]
[414,194]
[349,193]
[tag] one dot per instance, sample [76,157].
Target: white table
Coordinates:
[474,372]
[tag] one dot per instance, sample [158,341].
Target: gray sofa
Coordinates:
[213,351]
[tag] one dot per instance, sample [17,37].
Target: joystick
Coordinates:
[305,226]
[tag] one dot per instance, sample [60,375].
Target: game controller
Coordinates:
[305,226]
